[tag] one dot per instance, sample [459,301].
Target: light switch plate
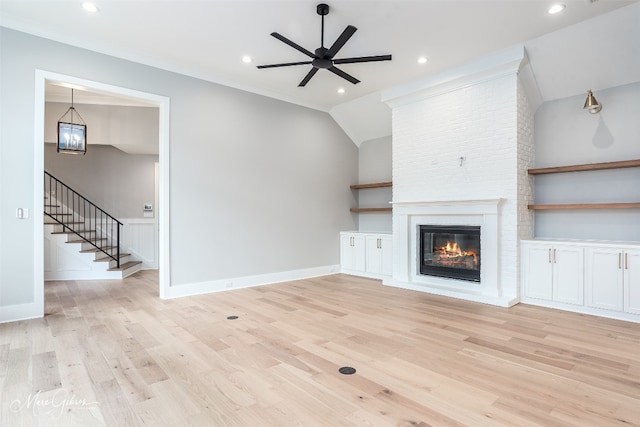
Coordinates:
[22,213]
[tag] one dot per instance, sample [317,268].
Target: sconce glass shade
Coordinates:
[592,104]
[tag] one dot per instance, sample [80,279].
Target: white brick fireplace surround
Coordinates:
[409,216]
[462,144]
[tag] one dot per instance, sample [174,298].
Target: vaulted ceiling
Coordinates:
[208,39]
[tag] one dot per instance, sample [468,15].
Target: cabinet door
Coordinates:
[386,247]
[346,251]
[373,255]
[604,278]
[568,273]
[631,272]
[378,254]
[352,252]
[358,253]
[537,272]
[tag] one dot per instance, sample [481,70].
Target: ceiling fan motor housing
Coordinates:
[322,61]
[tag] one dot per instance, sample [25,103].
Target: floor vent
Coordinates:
[347,370]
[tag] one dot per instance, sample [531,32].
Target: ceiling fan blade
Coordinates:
[344,37]
[306,79]
[293,45]
[362,59]
[344,75]
[286,64]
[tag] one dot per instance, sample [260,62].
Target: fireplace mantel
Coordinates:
[407,218]
[450,207]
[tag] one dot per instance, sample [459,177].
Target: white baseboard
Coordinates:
[15,313]
[610,314]
[365,274]
[82,275]
[200,288]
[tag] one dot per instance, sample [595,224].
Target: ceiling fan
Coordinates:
[323,57]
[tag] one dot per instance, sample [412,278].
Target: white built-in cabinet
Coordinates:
[366,254]
[604,278]
[631,281]
[554,272]
[613,279]
[378,254]
[352,252]
[589,277]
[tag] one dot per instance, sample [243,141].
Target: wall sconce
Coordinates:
[592,104]
[72,132]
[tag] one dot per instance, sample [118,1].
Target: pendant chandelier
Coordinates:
[72,132]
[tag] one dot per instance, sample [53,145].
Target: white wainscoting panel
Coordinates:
[140,239]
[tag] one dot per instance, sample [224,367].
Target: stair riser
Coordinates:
[99,254]
[130,271]
[114,264]
[73,237]
[57,228]
[85,233]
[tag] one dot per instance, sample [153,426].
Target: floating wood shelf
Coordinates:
[587,167]
[585,206]
[370,209]
[372,185]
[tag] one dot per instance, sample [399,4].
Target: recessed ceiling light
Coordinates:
[556,8]
[90,7]
[246,59]
[422,60]
[341,90]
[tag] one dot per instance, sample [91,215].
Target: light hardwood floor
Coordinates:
[112,353]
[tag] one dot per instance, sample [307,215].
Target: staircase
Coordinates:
[81,241]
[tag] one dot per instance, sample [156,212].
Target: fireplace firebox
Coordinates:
[450,251]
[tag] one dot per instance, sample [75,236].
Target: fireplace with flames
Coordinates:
[450,251]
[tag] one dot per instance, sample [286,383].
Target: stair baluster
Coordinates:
[102,233]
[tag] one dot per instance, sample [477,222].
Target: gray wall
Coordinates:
[374,165]
[257,185]
[565,134]
[117,182]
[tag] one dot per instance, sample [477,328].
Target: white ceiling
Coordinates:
[207,39]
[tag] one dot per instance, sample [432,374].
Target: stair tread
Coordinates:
[85,251]
[67,222]
[107,259]
[94,239]
[126,265]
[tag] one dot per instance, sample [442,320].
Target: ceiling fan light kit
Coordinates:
[323,58]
